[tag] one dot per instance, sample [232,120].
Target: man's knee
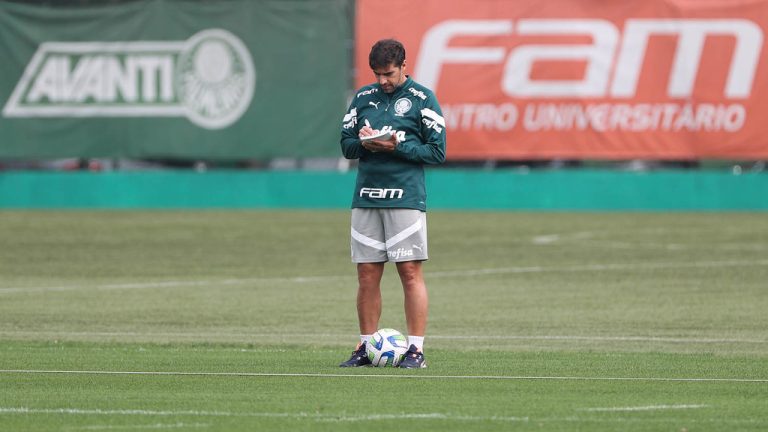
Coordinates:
[410,272]
[369,274]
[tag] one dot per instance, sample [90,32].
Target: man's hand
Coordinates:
[377,145]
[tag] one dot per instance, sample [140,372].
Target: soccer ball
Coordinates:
[387,347]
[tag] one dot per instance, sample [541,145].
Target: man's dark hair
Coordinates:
[386,52]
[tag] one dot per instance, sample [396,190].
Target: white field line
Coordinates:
[436,274]
[606,244]
[645,408]
[587,239]
[600,267]
[423,377]
[318,417]
[299,415]
[149,426]
[432,416]
[607,338]
[175,284]
[316,336]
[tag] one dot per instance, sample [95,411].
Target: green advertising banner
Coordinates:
[219,80]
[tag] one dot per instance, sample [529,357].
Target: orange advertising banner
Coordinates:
[585,79]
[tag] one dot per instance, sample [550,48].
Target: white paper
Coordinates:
[381,135]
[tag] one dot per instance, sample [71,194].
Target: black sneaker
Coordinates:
[414,359]
[359,358]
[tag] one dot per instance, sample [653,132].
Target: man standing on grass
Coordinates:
[389,205]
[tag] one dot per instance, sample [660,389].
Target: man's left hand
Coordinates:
[388,145]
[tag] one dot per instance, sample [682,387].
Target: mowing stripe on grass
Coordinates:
[436,274]
[356,375]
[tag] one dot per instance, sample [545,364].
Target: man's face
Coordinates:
[390,77]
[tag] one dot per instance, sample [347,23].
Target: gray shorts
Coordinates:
[382,234]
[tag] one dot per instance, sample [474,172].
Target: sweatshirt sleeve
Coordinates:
[351,147]
[430,149]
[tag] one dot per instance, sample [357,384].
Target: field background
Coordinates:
[236,320]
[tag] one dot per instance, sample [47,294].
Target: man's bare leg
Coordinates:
[369,296]
[416,299]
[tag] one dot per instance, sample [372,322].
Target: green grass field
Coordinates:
[236,321]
